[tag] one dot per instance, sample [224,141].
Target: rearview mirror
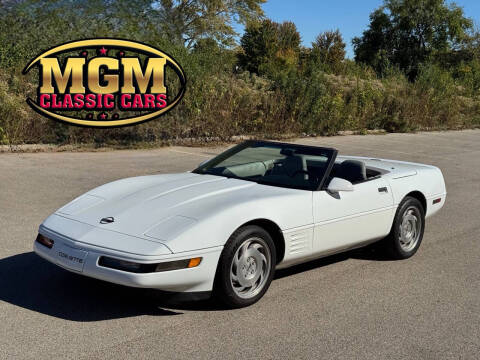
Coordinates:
[338,184]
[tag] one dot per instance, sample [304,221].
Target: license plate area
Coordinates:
[70,258]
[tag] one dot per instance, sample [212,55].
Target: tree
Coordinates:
[329,49]
[375,46]
[407,33]
[269,46]
[464,53]
[28,26]
[187,21]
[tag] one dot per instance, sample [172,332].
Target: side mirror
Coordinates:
[338,184]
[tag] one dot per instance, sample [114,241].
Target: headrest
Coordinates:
[352,170]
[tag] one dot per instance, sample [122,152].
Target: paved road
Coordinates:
[349,306]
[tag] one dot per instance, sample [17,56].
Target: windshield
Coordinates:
[270,163]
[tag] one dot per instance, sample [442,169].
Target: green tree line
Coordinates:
[416,66]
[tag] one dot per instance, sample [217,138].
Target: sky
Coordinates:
[350,16]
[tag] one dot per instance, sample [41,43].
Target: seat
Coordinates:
[293,164]
[290,165]
[352,170]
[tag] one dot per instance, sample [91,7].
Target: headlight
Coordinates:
[138,268]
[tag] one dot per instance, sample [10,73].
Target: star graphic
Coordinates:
[103,116]
[84,53]
[121,53]
[103,51]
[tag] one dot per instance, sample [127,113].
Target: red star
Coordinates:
[103,116]
[103,51]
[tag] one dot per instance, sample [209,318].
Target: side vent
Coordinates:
[299,242]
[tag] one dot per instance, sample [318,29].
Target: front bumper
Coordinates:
[86,258]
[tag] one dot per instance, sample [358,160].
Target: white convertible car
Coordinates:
[227,225]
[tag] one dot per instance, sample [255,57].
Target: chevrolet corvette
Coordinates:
[225,227]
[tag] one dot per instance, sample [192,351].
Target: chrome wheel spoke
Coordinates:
[243,249]
[236,261]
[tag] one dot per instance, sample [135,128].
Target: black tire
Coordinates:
[393,244]
[223,289]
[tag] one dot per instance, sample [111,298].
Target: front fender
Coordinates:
[287,212]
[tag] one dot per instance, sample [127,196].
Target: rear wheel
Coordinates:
[246,267]
[407,230]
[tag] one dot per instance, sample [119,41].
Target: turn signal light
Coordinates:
[194,262]
[138,268]
[45,241]
[178,264]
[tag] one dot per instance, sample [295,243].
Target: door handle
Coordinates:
[383,189]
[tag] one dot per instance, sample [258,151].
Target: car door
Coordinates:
[349,218]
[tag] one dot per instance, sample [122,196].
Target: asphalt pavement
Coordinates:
[356,305]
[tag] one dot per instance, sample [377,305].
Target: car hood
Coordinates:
[156,206]
[180,210]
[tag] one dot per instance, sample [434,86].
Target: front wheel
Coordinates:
[407,229]
[246,267]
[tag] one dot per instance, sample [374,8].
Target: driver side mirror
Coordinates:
[339,184]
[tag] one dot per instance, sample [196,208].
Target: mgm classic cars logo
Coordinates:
[106,83]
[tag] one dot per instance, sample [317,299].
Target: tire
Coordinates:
[242,280]
[407,230]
